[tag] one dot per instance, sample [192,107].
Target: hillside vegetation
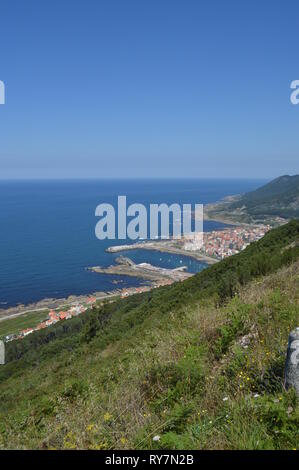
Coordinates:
[277,199]
[199,364]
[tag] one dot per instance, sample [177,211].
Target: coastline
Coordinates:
[163,248]
[126,267]
[49,304]
[220,206]
[226,221]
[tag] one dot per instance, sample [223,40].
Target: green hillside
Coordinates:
[279,198]
[199,364]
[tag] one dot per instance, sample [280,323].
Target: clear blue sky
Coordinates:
[144,88]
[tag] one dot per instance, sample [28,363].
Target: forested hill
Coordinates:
[198,364]
[279,197]
[276,200]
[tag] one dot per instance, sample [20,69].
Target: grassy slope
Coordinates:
[166,371]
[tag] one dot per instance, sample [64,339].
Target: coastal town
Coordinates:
[54,316]
[223,243]
[208,247]
[214,246]
[78,308]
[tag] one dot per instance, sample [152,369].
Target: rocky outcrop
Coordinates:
[292,361]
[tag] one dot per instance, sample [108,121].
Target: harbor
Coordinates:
[126,267]
[167,246]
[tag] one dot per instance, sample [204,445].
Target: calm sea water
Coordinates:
[47,236]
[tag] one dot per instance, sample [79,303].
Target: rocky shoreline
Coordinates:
[126,267]
[54,303]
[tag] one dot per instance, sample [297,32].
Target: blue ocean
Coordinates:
[47,232]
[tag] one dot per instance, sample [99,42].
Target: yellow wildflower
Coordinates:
[107,416]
